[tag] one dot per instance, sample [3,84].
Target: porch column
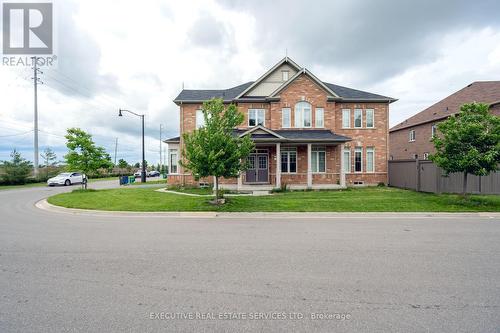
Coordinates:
[240,181]
[278,165]
[342,171]
[309,170]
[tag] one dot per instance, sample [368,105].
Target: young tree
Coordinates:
[49,157]
[83,154]
[213,150]
[122,164]
[468,142]
[17,170]
[137,165]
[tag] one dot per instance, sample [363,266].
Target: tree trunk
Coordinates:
[464,189]
[216,189]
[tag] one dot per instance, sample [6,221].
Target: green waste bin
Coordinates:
[131,179]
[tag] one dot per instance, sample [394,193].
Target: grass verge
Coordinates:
[351,200]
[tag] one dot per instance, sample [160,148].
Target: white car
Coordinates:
[67,178]
[138,173]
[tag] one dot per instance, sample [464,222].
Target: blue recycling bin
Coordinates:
[124,180]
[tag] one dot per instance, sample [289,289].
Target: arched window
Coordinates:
[303,114]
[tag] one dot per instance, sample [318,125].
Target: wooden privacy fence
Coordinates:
[425,176]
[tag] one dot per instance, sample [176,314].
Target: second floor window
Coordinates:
[412,136]
[200,119]
[370,119]
[320,117]
[433,131]
[286,117]
[256,117]
[346,118]
[302,114]
[358,118]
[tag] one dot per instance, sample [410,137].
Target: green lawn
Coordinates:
[352,200]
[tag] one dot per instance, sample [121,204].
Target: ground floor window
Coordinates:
[347,160]
[358,159]
[288,159]
[370,159]
[318,159]
[173,160]
[426,156]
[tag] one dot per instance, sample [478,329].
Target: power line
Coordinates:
[9,135]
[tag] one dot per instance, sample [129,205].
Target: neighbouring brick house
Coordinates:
[308,133]
[411,139]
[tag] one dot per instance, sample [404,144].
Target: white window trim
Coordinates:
[289,117]
[289,150]
[361,122]
[372,111]
[202,119]
[283,75]
[358,149]
[170,164]
[301,116]
[318,149]
[348,118]
[322,118]
[372,150]
[412,136]
[433,130]
[348,159]
[426,156]
[256,117]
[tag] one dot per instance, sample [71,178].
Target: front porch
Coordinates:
[294,165]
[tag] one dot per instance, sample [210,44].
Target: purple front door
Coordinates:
[258,169]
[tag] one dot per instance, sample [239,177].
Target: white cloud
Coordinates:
[137,56]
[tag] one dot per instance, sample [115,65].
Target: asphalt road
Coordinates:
[77,273]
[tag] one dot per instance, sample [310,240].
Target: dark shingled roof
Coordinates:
[231,93]
[205,95]
[298,135]
[289,135]
[350,93]
[173,140]
[479,91]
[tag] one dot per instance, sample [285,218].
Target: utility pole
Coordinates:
[116,148]
[161,162]
[35,130]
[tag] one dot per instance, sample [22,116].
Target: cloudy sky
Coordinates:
[137,55]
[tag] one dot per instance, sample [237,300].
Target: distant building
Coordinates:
[411,139]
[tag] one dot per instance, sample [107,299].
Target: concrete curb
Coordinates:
[45,205]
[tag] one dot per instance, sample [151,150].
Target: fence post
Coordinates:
[417,184]
[438,179]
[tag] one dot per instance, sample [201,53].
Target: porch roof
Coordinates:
[262,134]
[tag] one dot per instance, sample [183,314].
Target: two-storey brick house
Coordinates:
[308,133]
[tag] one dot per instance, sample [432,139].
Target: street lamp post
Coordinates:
[143,172]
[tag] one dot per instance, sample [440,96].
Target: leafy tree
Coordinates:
[17,170]
[83,154]
[213,150]
[122,163]
[49,158]
[468,142]
[137,165]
